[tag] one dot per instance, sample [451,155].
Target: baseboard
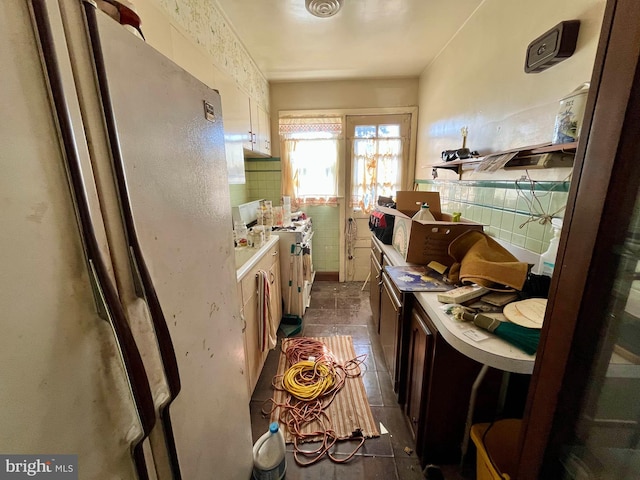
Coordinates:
[327,276]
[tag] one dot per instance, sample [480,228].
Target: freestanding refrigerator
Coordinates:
[121,339]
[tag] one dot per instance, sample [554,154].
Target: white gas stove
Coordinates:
[296,265]
[301,230]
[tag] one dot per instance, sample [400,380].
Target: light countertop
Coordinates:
[248,257]
[491,351]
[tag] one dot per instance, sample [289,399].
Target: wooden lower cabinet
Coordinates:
[437,390]
[432,379]
[248,292]
[447,400]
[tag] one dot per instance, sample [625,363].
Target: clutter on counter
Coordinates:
[449,254]
[481,260]
[548,258]
[462,294]
[424,214]
[240,234]
[526,339]
[420,241]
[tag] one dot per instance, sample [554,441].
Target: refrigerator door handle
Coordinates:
[56,62]
[98,294]
[138,283]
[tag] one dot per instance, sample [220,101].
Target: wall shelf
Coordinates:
[459,165]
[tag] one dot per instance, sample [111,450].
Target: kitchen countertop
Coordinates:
[248,257]
[491,351]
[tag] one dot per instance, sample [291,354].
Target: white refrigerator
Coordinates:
[121,339]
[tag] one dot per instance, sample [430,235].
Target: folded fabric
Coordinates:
[482,260]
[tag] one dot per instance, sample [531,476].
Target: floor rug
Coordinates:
[350,411]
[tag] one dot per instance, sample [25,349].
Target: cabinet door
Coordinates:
[252,341]
[443,416]
[245,340]
[390,317]
[237,123]
[263,131]
[248,291]
[420,348]
[374,291]
[251,107]
[259,143]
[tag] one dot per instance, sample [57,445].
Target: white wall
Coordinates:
[199,34]
[339,95]
[478,80]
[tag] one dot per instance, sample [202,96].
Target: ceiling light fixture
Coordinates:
[323,8]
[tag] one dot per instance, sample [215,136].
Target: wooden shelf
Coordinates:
[560,147]
[458,165]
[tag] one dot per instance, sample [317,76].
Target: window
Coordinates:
[309,155]
[377,156]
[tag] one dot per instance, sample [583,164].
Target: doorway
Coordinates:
[377,164]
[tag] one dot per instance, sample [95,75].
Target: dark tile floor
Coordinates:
[343,309]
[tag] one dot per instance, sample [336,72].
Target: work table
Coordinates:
[491,351]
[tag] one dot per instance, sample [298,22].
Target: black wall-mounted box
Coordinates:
[552,47]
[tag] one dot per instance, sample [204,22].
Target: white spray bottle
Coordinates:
[548,258]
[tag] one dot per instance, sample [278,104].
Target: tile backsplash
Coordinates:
[263,180]
[238,193]
[513,211]
[326,237]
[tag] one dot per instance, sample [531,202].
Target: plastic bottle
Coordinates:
[240,234]
[424,214]
[286,211]
[265,217]
[269,462]
[548,258]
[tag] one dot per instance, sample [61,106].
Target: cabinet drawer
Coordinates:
[274,255]
[399,296]
[266,263]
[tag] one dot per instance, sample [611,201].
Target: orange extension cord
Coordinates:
[313,380]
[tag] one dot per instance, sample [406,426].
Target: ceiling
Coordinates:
[365,39]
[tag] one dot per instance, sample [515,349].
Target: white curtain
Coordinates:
[377,170]
[309,157]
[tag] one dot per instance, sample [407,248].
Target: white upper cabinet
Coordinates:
[235,118]
[259,130]
[264,131]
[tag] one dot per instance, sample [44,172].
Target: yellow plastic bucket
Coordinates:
[497,453]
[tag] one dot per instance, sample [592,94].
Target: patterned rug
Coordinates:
[350,409]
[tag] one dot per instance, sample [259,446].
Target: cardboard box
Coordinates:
[409,202]
[422,242]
